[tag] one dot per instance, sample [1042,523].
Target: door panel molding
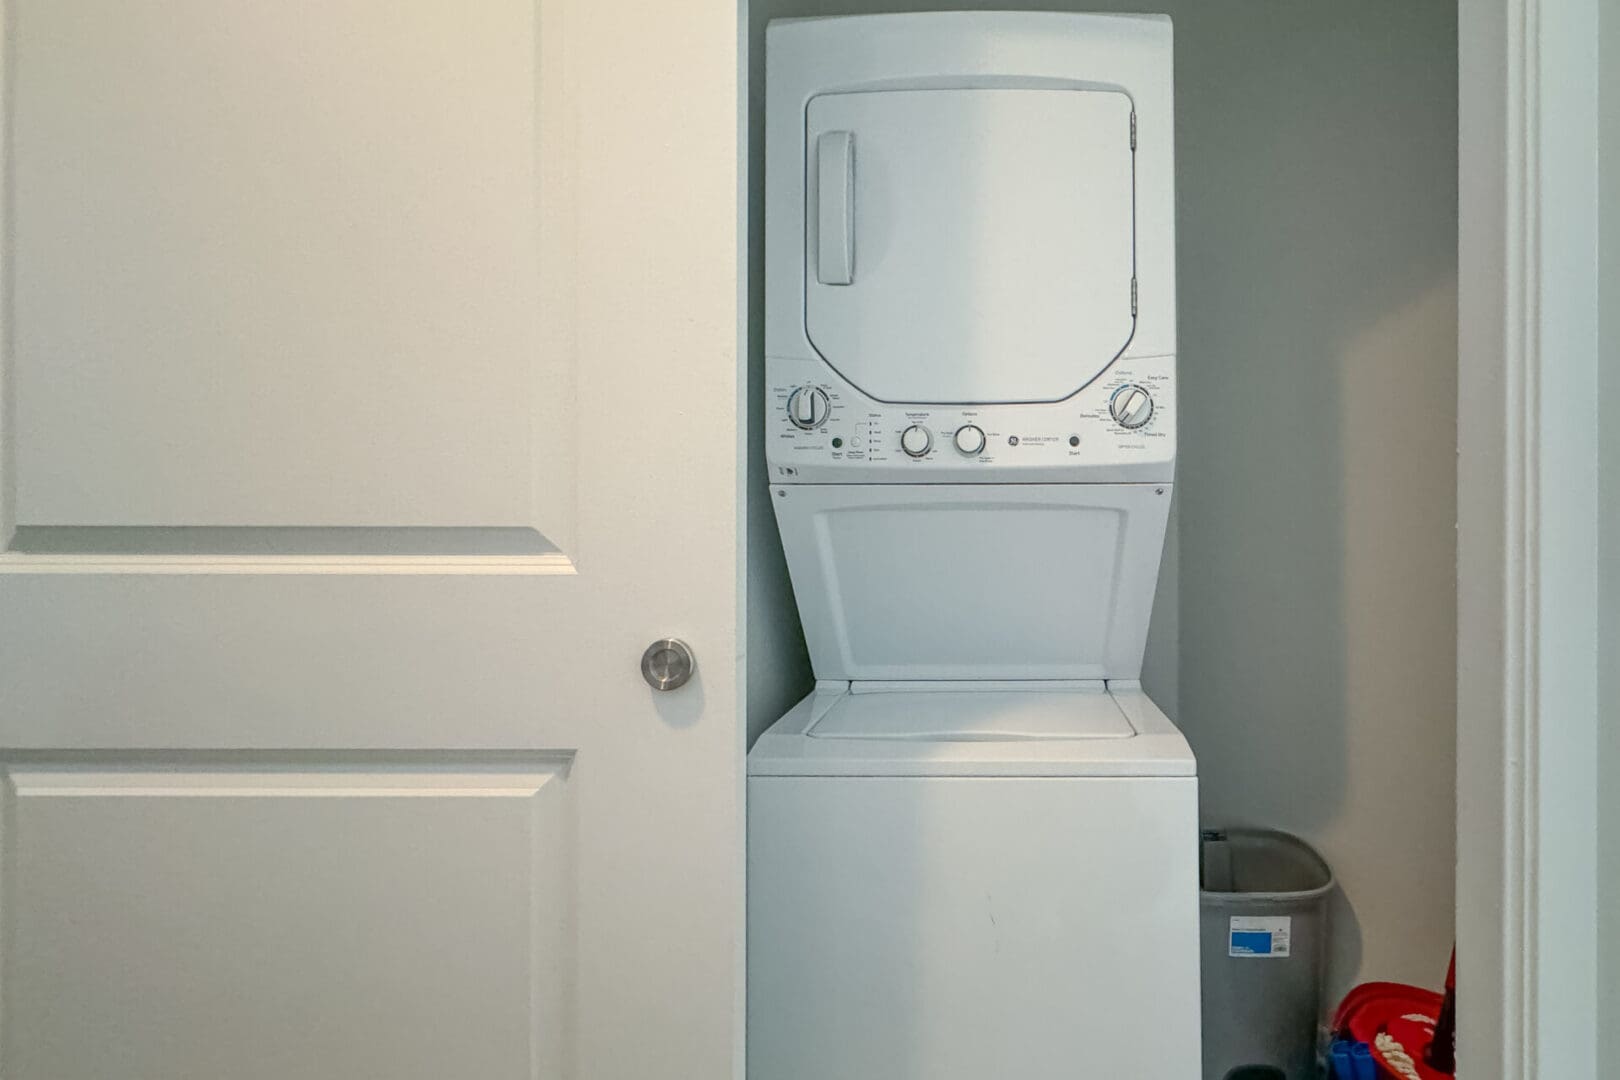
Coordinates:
[264,276]
[1527,551]
[196,906]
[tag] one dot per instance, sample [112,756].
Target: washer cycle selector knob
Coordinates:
[970,439]
[808,408]
[916,441]
[1131,406]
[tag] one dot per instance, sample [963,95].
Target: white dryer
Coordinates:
[973,849]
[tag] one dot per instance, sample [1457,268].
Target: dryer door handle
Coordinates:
[835,207]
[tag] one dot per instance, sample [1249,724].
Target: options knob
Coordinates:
[916,441]
[1131,406]
[808,408]
[970,439]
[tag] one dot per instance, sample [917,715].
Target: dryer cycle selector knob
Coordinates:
[916,441]
[808,408]
[970,439]
[1131,406]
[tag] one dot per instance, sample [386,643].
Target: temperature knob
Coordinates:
[970,439]
[1131,406]
[808,408]
[916,441]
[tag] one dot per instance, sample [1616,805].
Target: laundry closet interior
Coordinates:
[1302,633]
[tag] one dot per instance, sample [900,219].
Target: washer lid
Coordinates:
[803,742]
[969,245]
[988,714]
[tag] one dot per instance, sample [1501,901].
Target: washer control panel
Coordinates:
[1119,428]
[916,441]
[970,440]
[808,407]
[1131,406]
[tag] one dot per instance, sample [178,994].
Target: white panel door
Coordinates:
[370,403]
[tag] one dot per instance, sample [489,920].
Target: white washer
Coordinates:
[952,884]
[973,849]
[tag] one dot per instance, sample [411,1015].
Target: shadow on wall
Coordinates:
[1308,621]
[1317,252]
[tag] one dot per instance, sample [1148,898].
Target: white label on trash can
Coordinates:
[1251,936]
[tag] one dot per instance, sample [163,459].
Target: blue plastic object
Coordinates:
[1339,1066]
[1361,1058]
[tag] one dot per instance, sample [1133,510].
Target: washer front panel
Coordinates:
[973,582]
[972,928]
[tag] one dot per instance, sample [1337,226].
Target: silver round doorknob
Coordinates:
[667,664]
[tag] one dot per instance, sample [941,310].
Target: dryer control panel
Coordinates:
[1118,429]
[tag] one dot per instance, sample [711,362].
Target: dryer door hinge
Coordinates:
[1133,132]
[1133,297]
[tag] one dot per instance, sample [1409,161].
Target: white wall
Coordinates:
[778,664]
[1317,180]
[1609,539]
[1305,632]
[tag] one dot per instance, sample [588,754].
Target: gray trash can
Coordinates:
[1264,907]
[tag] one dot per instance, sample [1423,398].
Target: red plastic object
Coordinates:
[1410,1029]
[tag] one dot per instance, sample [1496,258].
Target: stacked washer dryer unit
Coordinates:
[973,849]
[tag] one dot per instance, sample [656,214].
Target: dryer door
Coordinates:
[969,246]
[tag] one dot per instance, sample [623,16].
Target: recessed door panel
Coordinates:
[277,267]
[255,920]
[969,245]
